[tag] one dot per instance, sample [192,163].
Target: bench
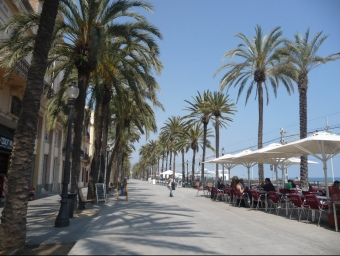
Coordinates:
[82,200]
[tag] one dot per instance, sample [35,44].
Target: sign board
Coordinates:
[100,192]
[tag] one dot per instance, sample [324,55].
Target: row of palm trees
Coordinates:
[110,49]
[263,61]
[270,60]
[183,133]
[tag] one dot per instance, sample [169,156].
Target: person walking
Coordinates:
[170,181]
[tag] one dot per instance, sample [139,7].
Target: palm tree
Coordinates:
[128,116]
[88,27]
[220,104]
[81,40]
[261,66]
[194,136]
[13,219]
[172,131]
[302,58]
[200,112]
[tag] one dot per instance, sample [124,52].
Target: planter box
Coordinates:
[331,220]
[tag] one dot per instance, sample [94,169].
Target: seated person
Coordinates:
[242,188]
[288,185]
[335,191]
[240,185]
[293,183]
[311,188]
[268,186]
[220,184]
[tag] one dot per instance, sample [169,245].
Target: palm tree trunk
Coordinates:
[78,128]
[260,129]
[217,143]
[205,124]
[98,127]
[183,166]
[193,167]
[13,219]
[303,134]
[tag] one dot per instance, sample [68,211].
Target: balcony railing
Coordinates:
[21,68]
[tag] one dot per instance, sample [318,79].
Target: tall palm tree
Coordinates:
[13,219]
[261,66]
[194,136]
[88,27]
[302,59]
[128,116]
[200,112]
[81,40]
[221,108]
[172,131]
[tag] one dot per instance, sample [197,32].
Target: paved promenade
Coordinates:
[152,223]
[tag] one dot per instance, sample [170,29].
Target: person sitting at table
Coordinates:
[335,191]
[268,186]
[293,183]
[311,188]
[220,184]
[243,189]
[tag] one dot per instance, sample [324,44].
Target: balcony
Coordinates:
[21,68]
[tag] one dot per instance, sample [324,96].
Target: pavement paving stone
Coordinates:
[152,223]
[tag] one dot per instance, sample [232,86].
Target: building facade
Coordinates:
[49,148]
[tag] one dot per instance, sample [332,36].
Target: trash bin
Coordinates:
[71,198]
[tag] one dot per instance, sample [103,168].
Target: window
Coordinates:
[16,106]
[46,137]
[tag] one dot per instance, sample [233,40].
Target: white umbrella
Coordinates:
[269,155]
[321,145]
[234,159]
[261,156]
[289,162]
[221,160]
[168,172]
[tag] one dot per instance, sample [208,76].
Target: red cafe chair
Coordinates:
[239,196]
[218,194]
[258,198]
[297,204]
[275,201]
[315,204]
[228,195]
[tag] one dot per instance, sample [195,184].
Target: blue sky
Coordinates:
[197,34]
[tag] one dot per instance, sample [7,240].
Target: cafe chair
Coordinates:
[315,205]
[297,204]
[258,198]
[239,196]
[275,201]
[227,195]
[218,194]
[208,190]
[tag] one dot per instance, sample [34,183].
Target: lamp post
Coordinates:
[63,219]
[223,165]
[108,150]
[187,174]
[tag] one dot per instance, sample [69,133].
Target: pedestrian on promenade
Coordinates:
[170,182]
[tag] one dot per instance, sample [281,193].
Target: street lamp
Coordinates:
[108,150]
[223,165]
[62,219]
[187,173]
